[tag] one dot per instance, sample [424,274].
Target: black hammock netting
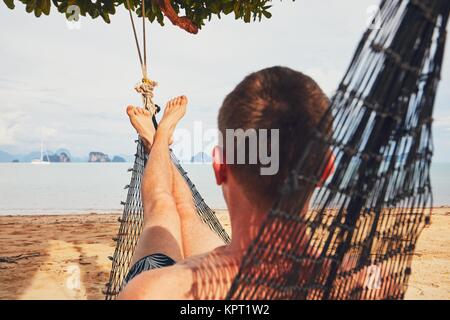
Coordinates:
[358,235]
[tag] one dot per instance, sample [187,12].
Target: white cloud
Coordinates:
[10,127]
[328,79]
[49,133]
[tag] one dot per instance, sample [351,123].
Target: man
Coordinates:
[178,256]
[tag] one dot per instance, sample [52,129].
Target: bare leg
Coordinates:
[163,233]
[197,237]
[161,226]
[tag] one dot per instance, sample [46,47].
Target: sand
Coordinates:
[65,256]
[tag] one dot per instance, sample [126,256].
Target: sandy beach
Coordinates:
[65,256]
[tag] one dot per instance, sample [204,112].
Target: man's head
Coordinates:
[276,98]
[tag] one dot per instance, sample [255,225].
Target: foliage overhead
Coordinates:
[196,11]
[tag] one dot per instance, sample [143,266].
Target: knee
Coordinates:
[158,200]
[157,195]
[161,206]
[186,207]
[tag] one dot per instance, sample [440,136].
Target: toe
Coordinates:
[130,110]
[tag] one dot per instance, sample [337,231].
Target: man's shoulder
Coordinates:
[173,282]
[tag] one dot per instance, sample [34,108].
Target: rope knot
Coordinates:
[145,88]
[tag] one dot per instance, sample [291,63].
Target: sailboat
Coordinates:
[41,160]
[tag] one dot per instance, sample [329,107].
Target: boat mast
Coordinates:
[42,150]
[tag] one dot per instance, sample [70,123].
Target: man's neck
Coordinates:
[246,220]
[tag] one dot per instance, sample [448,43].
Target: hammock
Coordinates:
[364,221]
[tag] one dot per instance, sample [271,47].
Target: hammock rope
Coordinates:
[146,86]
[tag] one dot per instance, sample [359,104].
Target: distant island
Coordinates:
[63,156]
[118,159]
[201,157]
[57,157]
[96,156]
[102,157]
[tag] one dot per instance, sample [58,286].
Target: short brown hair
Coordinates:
[273,98]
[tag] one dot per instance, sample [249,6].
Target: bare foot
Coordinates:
[141,120]
[175,110]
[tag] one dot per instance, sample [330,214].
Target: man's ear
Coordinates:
[219,166]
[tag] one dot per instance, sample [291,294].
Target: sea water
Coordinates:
[60,188]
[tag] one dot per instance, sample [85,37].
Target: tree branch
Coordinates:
[14,259]
[183,22]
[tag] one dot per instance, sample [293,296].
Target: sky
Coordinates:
[70,87]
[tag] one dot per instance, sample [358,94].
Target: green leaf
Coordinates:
[46,7]
[267,14]
[30,6]
[37,12]
[105,16]
[236,9]
[228,8]
[247,16]
[198,11]
[9,4]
